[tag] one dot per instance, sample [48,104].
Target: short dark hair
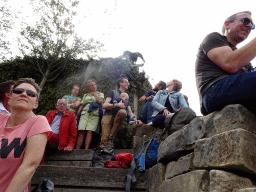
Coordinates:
[5,87]
[162,84]
[29,81]
[232,18]
[120,81]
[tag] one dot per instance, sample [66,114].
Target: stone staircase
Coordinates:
[73,172]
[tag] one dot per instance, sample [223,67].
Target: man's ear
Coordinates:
[226,24]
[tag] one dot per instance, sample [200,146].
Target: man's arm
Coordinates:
[138,122]
[108,106]
[72,134]
[232,61]
[144,98]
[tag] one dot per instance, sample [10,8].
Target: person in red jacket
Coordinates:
[63,125]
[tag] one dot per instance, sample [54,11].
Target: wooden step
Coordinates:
[77,158]
[87,179]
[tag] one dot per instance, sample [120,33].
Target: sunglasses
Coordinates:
[20,91]
[246,21]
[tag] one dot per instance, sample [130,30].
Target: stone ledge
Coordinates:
[234,150]
[194,181]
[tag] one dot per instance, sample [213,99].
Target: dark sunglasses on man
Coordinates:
[21,90]
[246,21]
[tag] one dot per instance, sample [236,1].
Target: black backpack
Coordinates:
[177,121]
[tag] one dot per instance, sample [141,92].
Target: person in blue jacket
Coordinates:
[166,102]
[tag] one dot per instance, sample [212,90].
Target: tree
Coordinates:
[6,23]
[53,37]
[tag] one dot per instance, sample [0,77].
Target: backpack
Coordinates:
[176,121]
[44,186]
[145,159]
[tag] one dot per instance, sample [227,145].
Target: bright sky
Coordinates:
[167,33]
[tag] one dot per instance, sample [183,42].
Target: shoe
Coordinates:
[106,149]
[150,123]
[111,143]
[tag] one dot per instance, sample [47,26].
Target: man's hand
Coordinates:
[166,112]
[120,105]
[149,97]
[138,122]
[68,149]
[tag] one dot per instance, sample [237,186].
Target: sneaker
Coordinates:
[150,123]
[106,149]
[111,143]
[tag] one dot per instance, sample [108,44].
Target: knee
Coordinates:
[89,133]
[122,113]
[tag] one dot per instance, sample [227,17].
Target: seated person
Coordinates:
[223,72]
[166,102]
[111,123]
[147,110]
[91,113]
[72,100]
[63,125]
[5,95]
[123,98]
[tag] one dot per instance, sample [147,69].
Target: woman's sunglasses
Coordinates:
[246,21]
[20,91]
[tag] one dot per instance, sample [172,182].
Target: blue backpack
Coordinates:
[144,160]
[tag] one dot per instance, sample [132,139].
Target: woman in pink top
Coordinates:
[23,137]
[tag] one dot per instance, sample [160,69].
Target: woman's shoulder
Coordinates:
[39,118]
[3,116]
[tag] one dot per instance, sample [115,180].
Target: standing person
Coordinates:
[23,137]
[223,72]
[5,95]
[147,110]
[166,102]
[111,123]
[89,121]
[63,125]
[73,100]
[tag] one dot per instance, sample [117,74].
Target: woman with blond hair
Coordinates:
[166,102]
[23,137]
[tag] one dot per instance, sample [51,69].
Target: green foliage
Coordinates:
[75,72]
[24,67]
[53,39]
[6,23]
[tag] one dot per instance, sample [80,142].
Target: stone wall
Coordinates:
[214,153]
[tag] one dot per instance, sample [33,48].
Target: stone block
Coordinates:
[229,118]
[194,181]
[234,149]
[156,176]
[247,190]
[222,181]
[183,165]
[180,142]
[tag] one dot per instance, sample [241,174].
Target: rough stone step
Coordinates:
[78,157]
[94,179]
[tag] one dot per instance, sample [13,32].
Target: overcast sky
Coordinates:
[167,33]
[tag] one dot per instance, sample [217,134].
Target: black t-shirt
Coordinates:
[207,72]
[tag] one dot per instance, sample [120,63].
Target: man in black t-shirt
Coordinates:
[223,72]
[110,122]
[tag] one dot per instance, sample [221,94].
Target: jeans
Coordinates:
[234,89]
[158,121]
